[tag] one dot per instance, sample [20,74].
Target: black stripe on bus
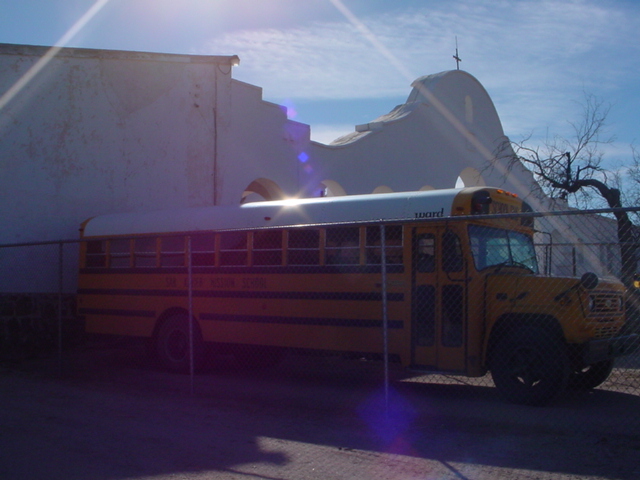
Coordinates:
[311,321]
[117,312]
[241,270]
[326,322]
[333,296]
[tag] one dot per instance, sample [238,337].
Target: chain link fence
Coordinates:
[451,302]
[38,316]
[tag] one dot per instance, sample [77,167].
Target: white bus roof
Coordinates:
[279,213]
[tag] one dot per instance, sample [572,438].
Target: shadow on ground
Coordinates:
[106,412]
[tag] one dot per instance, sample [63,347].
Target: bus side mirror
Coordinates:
[589,280]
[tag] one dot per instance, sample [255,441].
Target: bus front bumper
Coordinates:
[607,348]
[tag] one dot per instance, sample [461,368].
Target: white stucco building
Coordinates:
[100,131]
[448,128]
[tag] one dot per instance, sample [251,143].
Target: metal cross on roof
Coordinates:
[458,59]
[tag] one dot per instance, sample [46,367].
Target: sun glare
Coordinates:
[51,53]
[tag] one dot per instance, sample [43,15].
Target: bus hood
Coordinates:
[581,311]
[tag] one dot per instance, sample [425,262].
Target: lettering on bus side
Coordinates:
[196,282]
[435,214]
[222,282]
[254,283]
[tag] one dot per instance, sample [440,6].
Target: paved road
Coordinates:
[112,415]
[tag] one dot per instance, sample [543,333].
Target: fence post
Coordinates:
[190,308]
[385,316]
[60,293]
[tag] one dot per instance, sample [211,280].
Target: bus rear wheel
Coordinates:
[530,366]
[591,375]
[173,345]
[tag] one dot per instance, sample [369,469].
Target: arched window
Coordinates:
[260,190]
[470,177]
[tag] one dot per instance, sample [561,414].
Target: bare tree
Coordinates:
[572,168]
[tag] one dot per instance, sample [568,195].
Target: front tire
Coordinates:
[172,345]
[590,376]
[530,366]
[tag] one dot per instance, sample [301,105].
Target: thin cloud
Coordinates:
[534,57]
[329,60]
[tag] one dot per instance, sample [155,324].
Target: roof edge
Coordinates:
[103,54]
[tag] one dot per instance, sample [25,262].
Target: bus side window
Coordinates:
[267,247]
[145,252]
[393,244]
[233,248]
[120,253]
[393,240]
[304,247]
[343,246]
[203,250]
[172,252]
[425,253]
[95,254]
[451,252]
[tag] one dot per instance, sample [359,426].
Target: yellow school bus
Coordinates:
[462,287]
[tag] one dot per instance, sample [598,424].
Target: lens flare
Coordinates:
[389,417]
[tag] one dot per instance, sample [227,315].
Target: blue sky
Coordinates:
[338,63]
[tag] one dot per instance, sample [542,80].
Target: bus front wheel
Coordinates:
[530,366]
[173,345]
[590,376]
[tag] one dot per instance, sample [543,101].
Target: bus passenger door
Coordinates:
[438,305]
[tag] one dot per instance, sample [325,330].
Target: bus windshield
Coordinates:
[497,247]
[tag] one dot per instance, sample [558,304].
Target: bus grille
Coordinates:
[606,332]
[605,304]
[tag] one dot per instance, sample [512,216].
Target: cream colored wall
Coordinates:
[99,132]
[448,128]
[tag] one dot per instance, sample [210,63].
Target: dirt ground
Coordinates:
[104,411]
